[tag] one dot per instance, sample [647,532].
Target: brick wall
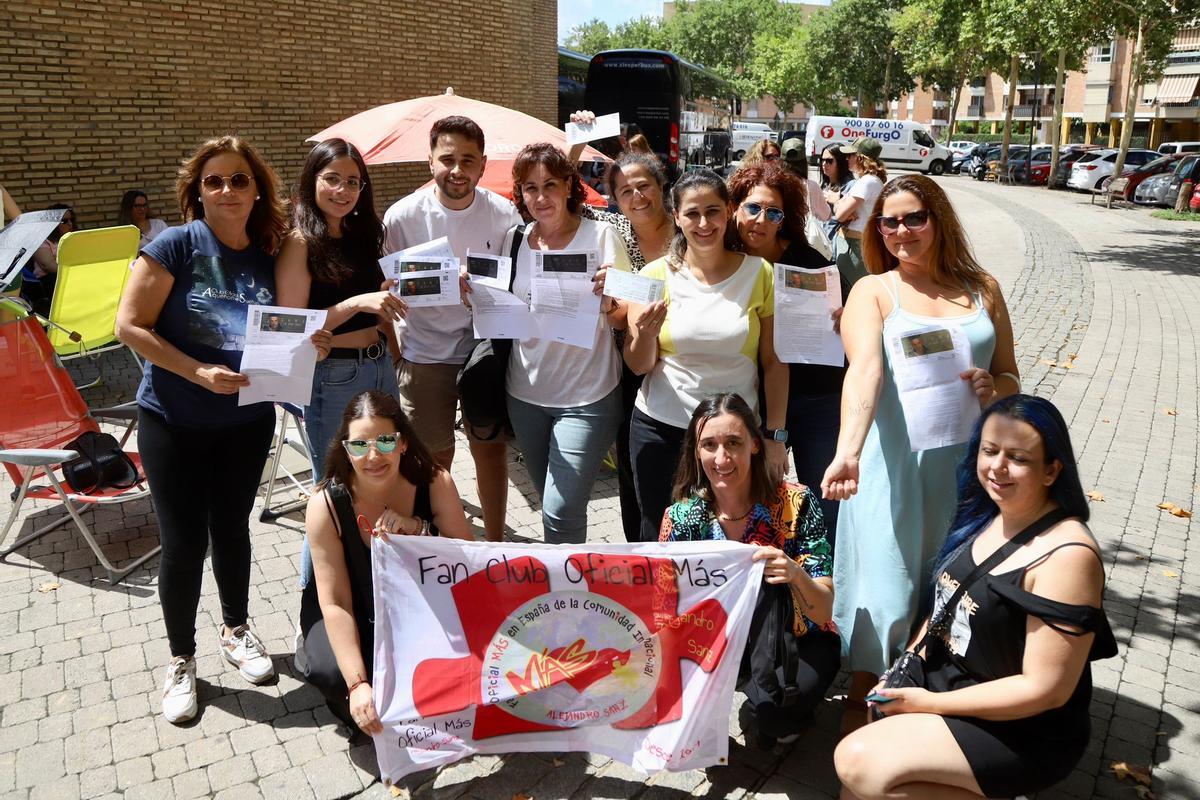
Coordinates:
[100,97]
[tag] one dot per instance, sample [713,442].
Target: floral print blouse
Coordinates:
[791,521]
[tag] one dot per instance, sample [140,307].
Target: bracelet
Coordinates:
[423,528]
[356,684]
[1010,376]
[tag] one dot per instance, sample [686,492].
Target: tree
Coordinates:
[720,34]
[784,67]
[941,43]
[1153,25]
[1069,28]
[590,37]
[642,33]
[850,46]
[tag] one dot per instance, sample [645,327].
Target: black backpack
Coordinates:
[482,379]
[101,464]
[771,659]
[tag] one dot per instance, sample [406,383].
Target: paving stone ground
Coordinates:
[1105,308]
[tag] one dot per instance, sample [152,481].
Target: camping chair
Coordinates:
[40,412]
[93,266]
[292,415]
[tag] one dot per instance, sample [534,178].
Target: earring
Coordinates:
[258,197]
[356,212]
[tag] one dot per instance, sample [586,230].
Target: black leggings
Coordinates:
[203,482]
[654,449]
[631,514]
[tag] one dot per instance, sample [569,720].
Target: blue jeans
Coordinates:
[335,383]
[563,450]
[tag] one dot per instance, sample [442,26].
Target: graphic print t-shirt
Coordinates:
[205,317]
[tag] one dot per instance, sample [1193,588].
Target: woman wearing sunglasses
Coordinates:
[852,205]
[708,335]
[184,311]
[770,216]
[380,481]
[899,502]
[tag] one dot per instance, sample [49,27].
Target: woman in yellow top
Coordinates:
[708,335]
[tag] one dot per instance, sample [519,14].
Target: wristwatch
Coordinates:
[776,434]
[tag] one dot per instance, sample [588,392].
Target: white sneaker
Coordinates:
[244,650]
[179,690]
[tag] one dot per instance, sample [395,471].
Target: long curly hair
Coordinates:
[951,261]
[782,179]
[557,164]
[268,219]
[332,260]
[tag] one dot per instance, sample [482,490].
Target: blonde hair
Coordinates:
[758,152]
[869,166]
[268,220]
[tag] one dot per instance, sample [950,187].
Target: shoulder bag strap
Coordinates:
[518,237]
[1040,526]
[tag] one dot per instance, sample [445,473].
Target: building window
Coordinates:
[1102,54]
[752,108]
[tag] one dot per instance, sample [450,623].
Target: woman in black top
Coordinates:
[330,260]
[381,481]
[775,232]
[1003,709]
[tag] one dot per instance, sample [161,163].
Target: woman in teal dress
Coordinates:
[899,502]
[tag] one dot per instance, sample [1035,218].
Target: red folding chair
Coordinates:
[40,412]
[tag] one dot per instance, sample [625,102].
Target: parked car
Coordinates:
[1179,147]
[1022,167]
[1130,178]
[1194,203]
[1187,170]
[964,160]
[1153,190]
[961,146]
[1068,156]
[991,161]
[1094,170]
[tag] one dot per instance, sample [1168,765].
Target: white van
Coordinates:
[1171,148]
[745,135]
[905,143]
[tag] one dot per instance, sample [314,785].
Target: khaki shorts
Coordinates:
[429,397]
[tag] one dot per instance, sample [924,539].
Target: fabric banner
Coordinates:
[628,650]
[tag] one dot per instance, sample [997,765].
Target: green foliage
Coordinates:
[720,34]
[590,37]
[784,67]
[848,47]
[1167,213]
[642,33]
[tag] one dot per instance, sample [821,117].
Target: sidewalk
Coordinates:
[1111,298]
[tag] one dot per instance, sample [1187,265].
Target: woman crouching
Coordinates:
[725,490]
[380,480]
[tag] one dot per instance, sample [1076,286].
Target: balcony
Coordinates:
[974,111]
[1027,111]
[940,104]
[978,87]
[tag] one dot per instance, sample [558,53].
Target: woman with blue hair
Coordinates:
[1000,707]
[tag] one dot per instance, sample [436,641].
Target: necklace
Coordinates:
[729,518]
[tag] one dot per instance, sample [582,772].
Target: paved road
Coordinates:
[1105,305]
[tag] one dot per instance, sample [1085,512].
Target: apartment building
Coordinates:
[1093,99]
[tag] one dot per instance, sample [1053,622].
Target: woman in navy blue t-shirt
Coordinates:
[184,311]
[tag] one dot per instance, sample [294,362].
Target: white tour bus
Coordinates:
[905,143]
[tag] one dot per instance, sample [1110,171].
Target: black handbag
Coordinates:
[772,654]
[909,669]
[482,379]
[101,464]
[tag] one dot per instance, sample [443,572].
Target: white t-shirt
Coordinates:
[548,373]
[442,334]
[709,341]
[157,226]
[868,188]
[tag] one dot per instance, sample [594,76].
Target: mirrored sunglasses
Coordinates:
[384,443]
[774,215]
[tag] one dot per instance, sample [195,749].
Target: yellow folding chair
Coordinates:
[93,266]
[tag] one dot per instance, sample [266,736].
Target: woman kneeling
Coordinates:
[725,489]
[380,480]
[1002,706]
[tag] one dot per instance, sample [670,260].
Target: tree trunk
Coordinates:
[1014,75]
[1131,95]
[887,86]
[1057,121]
[955,96]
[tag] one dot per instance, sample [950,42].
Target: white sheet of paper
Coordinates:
[571,264]
[278,357]
[939,407]
[498,314]
[423,284]
[489,270]
[565,310]
[805,300]
[436,250]
[635,288]
[604,127]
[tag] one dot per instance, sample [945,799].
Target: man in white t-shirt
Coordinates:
[436,341]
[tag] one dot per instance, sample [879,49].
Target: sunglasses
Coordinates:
[335,181]
[238,182]
[384,443]
[913,220]
[774,215]
[828,161]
